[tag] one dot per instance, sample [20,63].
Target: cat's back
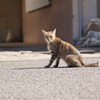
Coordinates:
[67,48]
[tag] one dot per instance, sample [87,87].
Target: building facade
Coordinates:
[58,15]
[83,11]
[21,21]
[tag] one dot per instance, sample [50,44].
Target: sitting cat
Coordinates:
[61,49]
[93,25]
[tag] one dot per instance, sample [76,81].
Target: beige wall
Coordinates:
[10,17]
[58,15]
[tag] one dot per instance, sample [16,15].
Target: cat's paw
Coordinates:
[98,64]
[55,66]
[46,66]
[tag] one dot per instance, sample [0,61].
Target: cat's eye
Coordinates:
[46,36]
[50,36]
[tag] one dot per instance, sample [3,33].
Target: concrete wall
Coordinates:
[10,17]
[58,15]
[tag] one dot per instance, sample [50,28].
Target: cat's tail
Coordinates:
[90,64]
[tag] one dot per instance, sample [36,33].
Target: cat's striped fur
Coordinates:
[61,49]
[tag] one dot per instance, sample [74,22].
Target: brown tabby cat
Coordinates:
[61,49]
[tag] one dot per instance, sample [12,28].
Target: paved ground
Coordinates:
[23,77]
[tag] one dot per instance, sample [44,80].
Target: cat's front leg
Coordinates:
[57,62]
[53,57]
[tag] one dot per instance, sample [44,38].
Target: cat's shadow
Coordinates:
[41,68]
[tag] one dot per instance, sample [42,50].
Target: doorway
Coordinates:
[10,21]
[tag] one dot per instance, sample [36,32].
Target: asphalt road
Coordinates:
[29,80]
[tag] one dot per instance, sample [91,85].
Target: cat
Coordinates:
[66,51]
[94,25]
[92,37]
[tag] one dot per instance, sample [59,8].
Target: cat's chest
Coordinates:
[52,47]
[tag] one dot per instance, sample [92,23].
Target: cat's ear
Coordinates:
[54,31]
[44,32]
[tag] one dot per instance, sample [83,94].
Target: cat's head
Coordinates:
[49,36]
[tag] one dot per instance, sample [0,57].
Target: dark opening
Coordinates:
[10,21]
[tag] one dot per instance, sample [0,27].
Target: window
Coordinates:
[32,5]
